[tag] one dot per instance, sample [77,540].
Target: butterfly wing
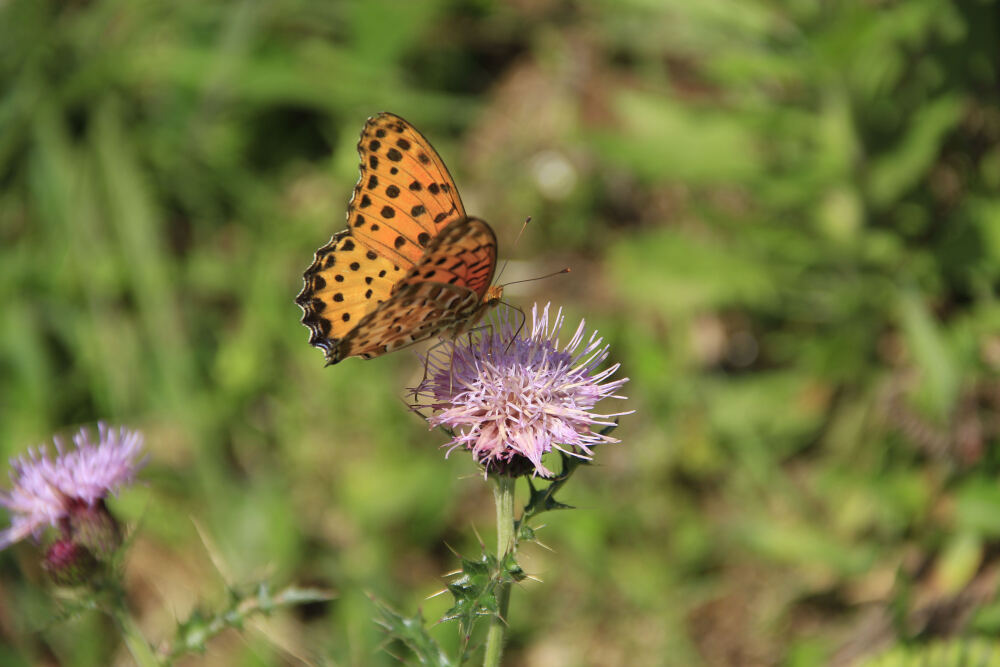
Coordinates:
[406,226]
[405,196]
[414,313]
[463,254]
[445,290]
[345,282]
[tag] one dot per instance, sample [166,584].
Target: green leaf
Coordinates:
[543,499]
[474,591]
[940,374]
[193,633]
[958,562]
[953,653]
[899,170]
[412,631]
[977,507]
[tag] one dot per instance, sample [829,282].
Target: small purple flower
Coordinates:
[511,396]
[47,491]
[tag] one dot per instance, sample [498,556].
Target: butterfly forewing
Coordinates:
[405,195]
[345,282]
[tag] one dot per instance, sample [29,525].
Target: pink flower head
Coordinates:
[509,397]
[46,491]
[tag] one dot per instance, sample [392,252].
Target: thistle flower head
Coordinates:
[514,393]
[46,491]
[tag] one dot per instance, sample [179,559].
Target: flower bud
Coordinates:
[70,564]
[93,528]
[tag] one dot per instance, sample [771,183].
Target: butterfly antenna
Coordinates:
[524,320]
[523,227]
[548,275]
[514,245]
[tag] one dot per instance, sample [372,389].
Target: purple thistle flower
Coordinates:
[511,396]
[46,491]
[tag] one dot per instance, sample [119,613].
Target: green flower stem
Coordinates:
[503,494]
[136,642]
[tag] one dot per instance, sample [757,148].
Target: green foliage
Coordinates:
[954,653]
[412,631]
[543,499]
[476,586]
[475,593]
[194,633]
[475,590]
[784,217]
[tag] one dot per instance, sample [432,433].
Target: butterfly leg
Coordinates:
[451,371]
[469,343]
[427,361]
[524,319]
[414,407]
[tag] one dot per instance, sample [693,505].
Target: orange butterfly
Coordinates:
[410,264]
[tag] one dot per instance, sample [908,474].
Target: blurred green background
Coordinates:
[784,217]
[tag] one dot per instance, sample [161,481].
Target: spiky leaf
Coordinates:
[412,631]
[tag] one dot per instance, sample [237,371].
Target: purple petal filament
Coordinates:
[46,489]
[507,394]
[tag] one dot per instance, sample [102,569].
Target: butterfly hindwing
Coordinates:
[464,253]
[414,313]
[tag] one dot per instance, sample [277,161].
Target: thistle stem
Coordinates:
[136,642]
[503,494]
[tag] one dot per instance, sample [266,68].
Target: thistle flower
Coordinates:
[509,397]
[73,484]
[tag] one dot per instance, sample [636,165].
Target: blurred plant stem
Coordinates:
[503,494]
[140,649]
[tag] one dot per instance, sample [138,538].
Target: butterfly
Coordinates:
[411,263]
